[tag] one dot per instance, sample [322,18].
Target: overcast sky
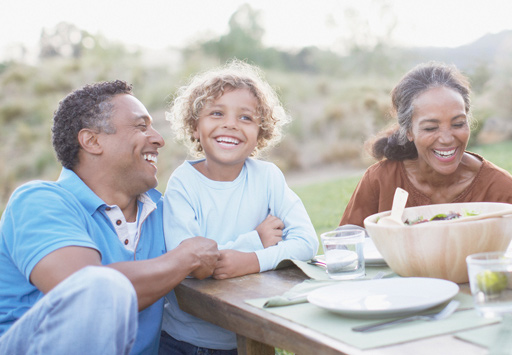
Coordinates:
[288,23]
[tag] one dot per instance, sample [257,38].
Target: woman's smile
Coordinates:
[440,130]
[445,155]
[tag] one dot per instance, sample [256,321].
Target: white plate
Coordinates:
[372,256]
[383,298]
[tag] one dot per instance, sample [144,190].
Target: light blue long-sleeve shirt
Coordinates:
[228,212]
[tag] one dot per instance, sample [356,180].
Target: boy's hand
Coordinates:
[270,231]
[233,263]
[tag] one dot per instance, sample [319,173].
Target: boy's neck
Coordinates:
[219,172]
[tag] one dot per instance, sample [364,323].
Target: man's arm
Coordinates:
[152,278]
[61,263]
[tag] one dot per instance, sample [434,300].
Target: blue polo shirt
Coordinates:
[42,217]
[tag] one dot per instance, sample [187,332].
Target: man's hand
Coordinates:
[270,231]
[205,253]
[234,263]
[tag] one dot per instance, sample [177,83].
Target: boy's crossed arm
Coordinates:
[233,263]
[270,231]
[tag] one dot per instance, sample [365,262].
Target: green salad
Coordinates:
[441,217]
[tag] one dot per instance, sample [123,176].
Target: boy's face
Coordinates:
[228,129]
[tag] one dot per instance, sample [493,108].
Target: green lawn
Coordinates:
[325,202]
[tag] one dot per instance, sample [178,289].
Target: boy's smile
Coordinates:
[228,130]
[228,140]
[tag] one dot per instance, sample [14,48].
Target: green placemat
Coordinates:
[497,337]
[293,305]
[340,327]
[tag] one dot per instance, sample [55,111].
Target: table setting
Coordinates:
[388,273]
[296,305]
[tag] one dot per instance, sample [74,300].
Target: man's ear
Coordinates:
[88,140]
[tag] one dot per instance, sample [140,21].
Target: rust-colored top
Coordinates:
[376,190]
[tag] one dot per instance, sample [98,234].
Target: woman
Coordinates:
[425,153]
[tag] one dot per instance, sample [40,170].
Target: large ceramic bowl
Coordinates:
[439,249]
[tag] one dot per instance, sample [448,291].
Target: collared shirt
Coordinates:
[128,233]
[42,217]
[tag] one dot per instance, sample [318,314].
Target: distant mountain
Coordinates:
[466,57]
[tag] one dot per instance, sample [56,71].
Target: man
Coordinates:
[83,261]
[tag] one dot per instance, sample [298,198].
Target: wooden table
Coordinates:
[222,302]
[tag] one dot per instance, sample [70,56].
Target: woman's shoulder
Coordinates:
[384,167]
[486,167]
[489,168]
[472,161]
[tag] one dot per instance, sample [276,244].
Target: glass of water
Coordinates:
[490,279]
[343,251]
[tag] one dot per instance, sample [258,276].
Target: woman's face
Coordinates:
[440,129]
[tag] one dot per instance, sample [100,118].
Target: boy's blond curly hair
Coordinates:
[210,85]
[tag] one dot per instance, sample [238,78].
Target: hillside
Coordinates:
[473,55]
[336,102]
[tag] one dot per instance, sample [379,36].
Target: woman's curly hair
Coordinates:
[208,86]
[87,107]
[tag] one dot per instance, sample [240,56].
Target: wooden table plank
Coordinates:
[222,302]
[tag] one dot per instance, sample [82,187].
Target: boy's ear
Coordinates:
[196,134]
[88,140]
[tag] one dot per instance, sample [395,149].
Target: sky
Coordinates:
[288,24]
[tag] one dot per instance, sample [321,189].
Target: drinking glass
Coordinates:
[490,279]
[343,251]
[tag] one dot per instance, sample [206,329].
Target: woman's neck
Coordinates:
[442,188]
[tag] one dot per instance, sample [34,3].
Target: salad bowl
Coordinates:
[438,248]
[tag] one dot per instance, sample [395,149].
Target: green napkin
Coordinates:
[297,294]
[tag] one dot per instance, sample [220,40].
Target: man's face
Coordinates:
[131,151]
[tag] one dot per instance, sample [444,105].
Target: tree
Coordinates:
[243,40]
[65,40]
